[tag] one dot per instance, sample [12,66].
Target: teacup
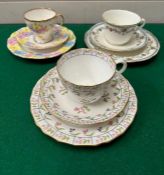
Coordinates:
[86,73]
[41,22]
[121,25]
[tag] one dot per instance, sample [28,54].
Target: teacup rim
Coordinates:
[117,25]
[39,20]
[89,49]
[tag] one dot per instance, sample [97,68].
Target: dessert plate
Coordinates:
[147,52]
[58,101]
[15,48]
[81,136]
[98,33]
[25,38]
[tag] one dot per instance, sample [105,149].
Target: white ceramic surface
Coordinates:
[58,102]
[99,33]
[86,70]
[86,73]
[41,21]
[147,52]
[39,14]
[81,136]
[121,17]
[121,25]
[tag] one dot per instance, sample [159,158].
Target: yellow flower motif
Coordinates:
[26,29]
[23,41]
[63,49]
[15,47]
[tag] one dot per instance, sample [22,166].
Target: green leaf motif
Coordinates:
[86,141]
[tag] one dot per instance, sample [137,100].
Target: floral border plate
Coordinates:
[25,38]
[147,52]
[57,101]
[17,50]
[98,33]
[84,136]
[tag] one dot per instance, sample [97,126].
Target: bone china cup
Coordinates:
[121,25]
[41,21]
[86,73]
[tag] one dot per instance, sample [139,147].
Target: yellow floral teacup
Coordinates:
[41,21]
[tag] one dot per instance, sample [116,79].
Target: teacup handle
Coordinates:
[124,65]
[61,18]
[142,23]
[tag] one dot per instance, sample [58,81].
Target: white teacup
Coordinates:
[121,24]
[41,21]
[86,73]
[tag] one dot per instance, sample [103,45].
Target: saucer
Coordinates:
[25,38]
[15,48]
[58,102]
[98,33]
[81,136]
[147,52]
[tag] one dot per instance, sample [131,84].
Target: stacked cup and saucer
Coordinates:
[84,100]
[121,35]
[44,37]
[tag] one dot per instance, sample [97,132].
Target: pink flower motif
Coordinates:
[21,36]
[133,110]
[80,109]
[58,123]
[55,53]
[85,131]
[12,41]
[76,109]
[42,29]
[79,141]
[29,55]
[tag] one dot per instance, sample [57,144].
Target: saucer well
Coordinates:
[16,49]
[58,102]
[98,37]
[77,135]
[147,52]
[25,38]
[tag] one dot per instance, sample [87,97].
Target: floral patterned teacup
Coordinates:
[121,24]
[41,21]
[86,73]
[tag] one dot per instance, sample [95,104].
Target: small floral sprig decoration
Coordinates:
[82,109]
[38,28]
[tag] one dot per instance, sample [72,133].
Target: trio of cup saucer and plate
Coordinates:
[61,116]
[77,122]
[121,35]
[21,43]
[143,46]
[43,37]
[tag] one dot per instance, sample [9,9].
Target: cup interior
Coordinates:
[86,69]
[121,17]
[39,14]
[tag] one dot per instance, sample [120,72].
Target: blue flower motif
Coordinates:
[20,52]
